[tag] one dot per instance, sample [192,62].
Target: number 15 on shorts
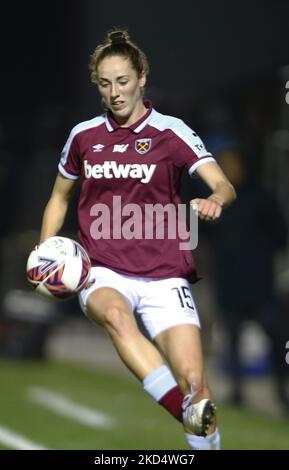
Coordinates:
[185,297]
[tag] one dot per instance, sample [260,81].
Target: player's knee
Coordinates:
[117,320]
[192,380]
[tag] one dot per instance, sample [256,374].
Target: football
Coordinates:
[58,268]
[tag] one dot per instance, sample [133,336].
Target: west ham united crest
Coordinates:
[143,145]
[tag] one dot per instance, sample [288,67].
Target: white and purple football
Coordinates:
[58,268]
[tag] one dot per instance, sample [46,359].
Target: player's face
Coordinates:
[120,88]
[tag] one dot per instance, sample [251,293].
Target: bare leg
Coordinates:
[109,308]
[181,346]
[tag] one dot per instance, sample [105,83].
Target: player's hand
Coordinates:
[207,209]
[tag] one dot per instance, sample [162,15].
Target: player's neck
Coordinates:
[138,112]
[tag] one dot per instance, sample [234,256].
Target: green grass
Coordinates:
[140,423]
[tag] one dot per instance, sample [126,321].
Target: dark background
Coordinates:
[198,51]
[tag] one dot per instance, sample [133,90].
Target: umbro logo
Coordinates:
[97,147]
[120,148]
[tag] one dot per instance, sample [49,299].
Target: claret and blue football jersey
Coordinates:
[125,171]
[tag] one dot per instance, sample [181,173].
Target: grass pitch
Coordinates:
[140,423]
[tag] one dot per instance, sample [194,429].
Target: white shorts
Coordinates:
[161,303]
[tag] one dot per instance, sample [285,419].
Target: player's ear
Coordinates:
[142,79]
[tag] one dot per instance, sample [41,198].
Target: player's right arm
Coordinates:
[56,209]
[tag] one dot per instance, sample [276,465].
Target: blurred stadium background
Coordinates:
[221,66]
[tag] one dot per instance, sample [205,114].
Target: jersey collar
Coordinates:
[138,126]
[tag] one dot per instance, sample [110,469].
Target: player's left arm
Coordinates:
[223,192]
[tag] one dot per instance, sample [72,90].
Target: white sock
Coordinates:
[159,382]
[210,442]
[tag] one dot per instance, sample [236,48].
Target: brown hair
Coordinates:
[118,43]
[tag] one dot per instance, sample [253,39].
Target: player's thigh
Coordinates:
[106,290]
[104,300]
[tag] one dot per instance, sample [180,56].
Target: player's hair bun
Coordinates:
[118,37]
[117,42]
